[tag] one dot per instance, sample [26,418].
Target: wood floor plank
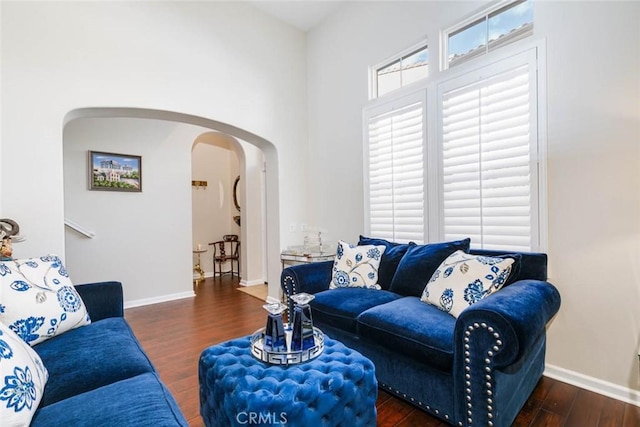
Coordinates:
[586,409]
[545,418]
[393,412]
[560,399]
[175,333]
[631,416]
[528,412]
[612,413]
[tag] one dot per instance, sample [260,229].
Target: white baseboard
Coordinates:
[595,385]
[251,283]
[158,299]
[206,275]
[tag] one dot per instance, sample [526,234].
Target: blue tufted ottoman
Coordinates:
[338,388]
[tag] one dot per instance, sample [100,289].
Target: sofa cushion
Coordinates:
[390,258]
[356,266]
[138,401]
[340,307]
[90,357]
[22,379]
[39,299]
[413,328]
[419,263]
[463,279]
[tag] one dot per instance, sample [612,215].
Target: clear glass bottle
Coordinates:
[302,334]
[274,334]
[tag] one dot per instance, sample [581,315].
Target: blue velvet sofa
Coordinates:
[99,375]
[474,370]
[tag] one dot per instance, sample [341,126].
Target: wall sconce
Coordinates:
[199,184]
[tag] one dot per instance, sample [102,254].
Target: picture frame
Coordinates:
[115,172]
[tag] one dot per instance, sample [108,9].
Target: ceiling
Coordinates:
[302,14]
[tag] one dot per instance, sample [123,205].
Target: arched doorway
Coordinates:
[176,231]
[221,160]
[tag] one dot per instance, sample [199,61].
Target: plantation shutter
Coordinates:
[488,182]
[395,172]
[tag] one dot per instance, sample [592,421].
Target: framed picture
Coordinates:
[115,172]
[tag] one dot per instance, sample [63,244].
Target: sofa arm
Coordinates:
[102,299]
[310,278]
[497,334]
[512,319]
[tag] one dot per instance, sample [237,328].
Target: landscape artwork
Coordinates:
[115,172]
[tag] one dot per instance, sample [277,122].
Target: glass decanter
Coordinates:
[302,334]
[274,334]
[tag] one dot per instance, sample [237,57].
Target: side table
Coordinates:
[337,388]
[197,268]
[290,257]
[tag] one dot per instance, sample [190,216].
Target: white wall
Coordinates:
[593,53]
[251,193]
[134,232]
[221,61]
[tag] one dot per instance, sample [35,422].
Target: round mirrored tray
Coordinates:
[289,357]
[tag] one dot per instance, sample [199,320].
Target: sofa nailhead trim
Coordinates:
[427,407]
[488,377]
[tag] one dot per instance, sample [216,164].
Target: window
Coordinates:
[472,163]
[395,166]
[493,29]
[404,69]
[488,152]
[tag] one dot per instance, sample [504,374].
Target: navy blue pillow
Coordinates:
[391,257]
[419,263]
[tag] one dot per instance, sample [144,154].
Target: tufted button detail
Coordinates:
[231,375]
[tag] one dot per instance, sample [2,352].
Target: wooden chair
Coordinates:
[226,250]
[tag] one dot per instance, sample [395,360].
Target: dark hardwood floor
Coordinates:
[174,334]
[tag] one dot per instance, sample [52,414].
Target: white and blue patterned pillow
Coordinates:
[356,266]
[38,300]
[463,279]
[22,379]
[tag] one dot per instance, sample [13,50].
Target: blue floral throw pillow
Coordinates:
[356,266]
[38,300]
[463,279]
[22,379]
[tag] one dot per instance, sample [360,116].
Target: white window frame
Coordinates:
[482,13]
[434,227]
[373,70]
[399,100]
[535,53]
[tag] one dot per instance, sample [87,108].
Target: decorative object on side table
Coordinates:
[9,230]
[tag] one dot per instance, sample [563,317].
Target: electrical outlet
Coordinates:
[292,227]
[303,227]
